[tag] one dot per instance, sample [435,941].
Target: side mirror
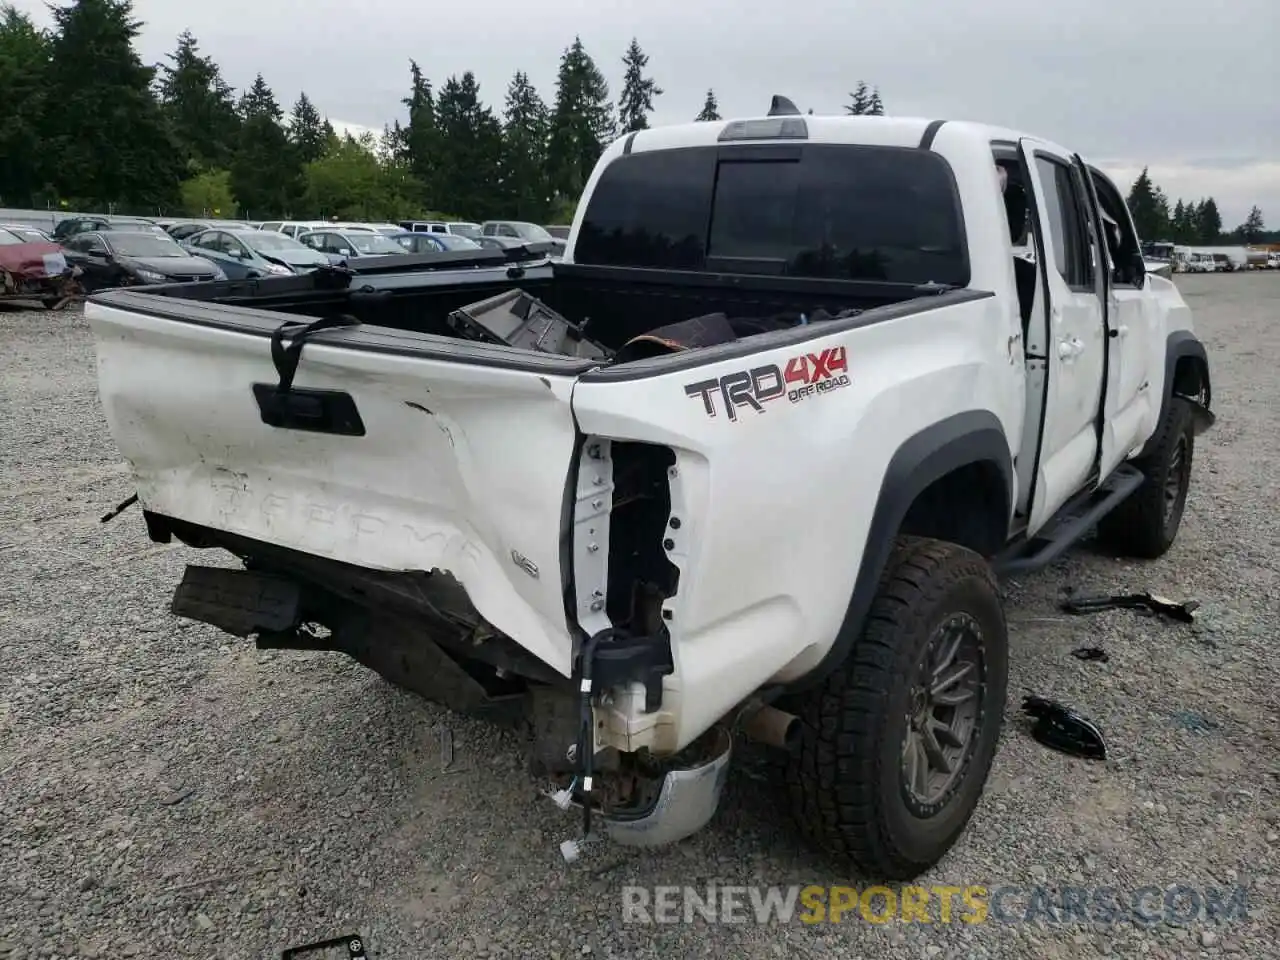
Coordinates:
[344,252]
[1139,269]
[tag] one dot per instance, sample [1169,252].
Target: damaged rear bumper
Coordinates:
[686,801]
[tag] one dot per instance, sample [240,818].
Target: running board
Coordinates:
[1077,517]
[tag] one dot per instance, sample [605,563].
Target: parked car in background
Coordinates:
[27,233]
[433,242]
[1201,263]
[522,231]
[181,229]
[498,243]
[116,258]
[560,232]
[32,266]
[345,244]
[292,228]
[459,228]
[255,253]
[74,225]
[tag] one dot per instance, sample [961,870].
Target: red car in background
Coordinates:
[33,267]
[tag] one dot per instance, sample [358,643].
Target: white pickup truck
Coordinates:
[923,354]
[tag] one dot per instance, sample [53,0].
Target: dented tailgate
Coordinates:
[461,466]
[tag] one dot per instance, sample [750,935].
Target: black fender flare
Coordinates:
[975,436]
[1180,345]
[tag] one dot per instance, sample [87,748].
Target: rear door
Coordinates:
[1077,348]
[1133,325]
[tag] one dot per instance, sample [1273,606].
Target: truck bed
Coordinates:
[616,304]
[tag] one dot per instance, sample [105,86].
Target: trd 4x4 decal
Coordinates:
[803,376]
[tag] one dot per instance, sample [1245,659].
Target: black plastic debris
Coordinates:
[1091,653]
[516,319]
[119,509]
[1142,602]
[1060,728]
[353,943]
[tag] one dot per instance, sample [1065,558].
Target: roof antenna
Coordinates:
[782,107]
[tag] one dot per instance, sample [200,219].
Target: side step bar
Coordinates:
[1073,522]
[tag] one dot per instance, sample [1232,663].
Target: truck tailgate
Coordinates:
[462,465]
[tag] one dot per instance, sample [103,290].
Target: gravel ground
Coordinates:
[167,792]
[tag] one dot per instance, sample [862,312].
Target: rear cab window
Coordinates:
[824,211]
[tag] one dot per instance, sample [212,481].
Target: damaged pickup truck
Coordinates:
[747,462]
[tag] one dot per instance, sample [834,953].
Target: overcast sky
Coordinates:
[1191,89]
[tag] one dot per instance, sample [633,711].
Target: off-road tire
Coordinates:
[1146,523]
[845,781]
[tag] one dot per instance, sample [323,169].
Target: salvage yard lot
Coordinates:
[167,791]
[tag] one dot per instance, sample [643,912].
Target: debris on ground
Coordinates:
[1195,722]
[1143,602]
[1091,653]
[446,747]
[353,942]
[1061,728]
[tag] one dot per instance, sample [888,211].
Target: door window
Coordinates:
[234,247]
[1068,227]
[95,245]
[1122,239]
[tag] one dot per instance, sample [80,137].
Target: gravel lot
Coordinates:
[165,792]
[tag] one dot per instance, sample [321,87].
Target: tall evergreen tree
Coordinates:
[1178,223]
[638,90]
[1253,228]
[24,67]
[394,145]
[859,100]
[875,106]
[107,131]
[1209,221]
[308,131]
[582,121]
[470,153]
[526,124]
[422,134]
[200,106]
[265,174]
[1149,219]
[710,108]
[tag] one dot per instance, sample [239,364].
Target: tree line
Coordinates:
[1189,222]
[91,127]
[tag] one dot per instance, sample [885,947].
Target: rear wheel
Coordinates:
[1146,523]
[897,743]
